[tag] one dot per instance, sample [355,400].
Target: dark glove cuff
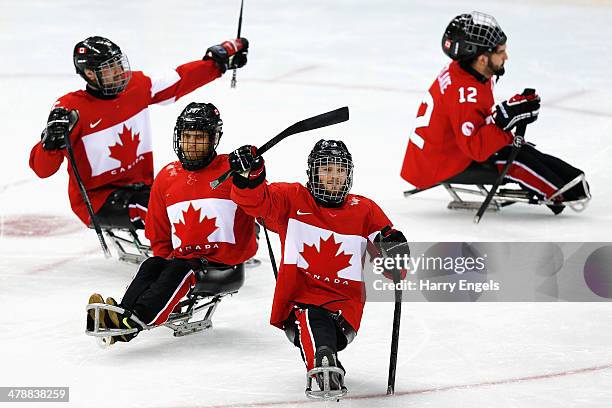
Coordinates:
[240,181]
[258,179]
[243,182]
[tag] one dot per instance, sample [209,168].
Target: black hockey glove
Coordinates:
[520,109]
[392,242]
[53,137]
[249,168]
[229,54]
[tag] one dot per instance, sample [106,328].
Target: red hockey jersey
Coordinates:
[188,219]
[112,139]
[453,127]
[323,249]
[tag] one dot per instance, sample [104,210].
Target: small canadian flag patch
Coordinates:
[81,50]
[447,44]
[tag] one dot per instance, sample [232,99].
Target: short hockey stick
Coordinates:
[517,143]
[325,119]
[73,119]
[233,83]
[397,314]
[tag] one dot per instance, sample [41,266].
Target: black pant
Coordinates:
[308,324]
[540,173]
[158,287]
[125,208]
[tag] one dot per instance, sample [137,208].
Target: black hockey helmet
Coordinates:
[326,154]
[198,116]
[110,66]
[469,35]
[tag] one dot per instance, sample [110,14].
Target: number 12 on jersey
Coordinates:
[471,96]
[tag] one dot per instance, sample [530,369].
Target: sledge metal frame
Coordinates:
[326,394]
[178,322]
[506,197]
[139,251]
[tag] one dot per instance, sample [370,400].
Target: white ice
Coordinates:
[307,57]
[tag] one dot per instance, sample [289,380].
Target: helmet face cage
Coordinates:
[330,178]
[483,31]
[113,74]
[469,35]
[201,150]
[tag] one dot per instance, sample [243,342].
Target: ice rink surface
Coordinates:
[307,57]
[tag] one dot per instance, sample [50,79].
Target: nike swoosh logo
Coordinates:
[302,213]
[93,125]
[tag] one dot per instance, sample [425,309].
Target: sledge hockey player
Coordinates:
[110,130]
[324,232]
[192,228]
[458,126]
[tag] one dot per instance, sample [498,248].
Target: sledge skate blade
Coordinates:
[470,206]
[186,328]
[330,395]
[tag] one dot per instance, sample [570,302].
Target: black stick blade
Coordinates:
[325,119]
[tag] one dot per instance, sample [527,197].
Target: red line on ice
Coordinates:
[422,391]
[68,258]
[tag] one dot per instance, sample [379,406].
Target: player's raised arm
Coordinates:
[252,193]
[169,87]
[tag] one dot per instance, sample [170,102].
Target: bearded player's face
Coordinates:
[497,59]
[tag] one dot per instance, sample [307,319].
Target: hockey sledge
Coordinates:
[212,285]
[477,180]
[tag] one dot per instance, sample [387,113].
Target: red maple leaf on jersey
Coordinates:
[326,261]
[126,151]
[192,222]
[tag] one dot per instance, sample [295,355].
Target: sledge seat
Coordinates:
[218,279]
